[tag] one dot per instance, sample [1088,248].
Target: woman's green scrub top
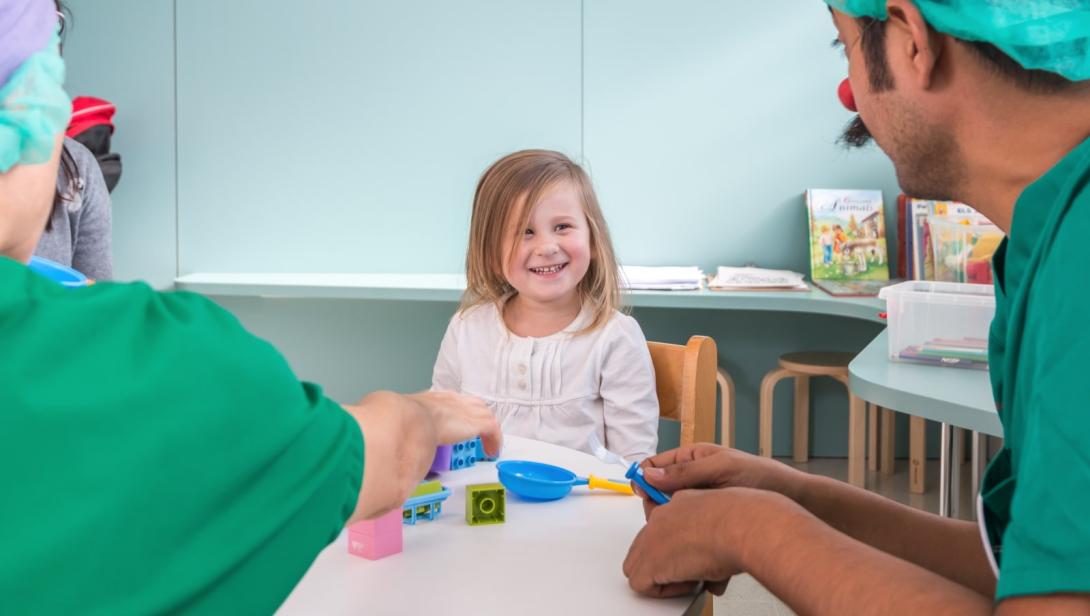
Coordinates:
[155,457]
[1036,493]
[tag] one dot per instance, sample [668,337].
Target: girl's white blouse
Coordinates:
[559,388]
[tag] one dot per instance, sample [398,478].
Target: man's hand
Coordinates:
[707,466]
[699,537]
[458,417]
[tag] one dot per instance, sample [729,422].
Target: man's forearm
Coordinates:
[817,570]
[950,548]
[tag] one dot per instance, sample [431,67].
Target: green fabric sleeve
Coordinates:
[158,457]
[1046,546]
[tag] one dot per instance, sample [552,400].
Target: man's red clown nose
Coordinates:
[846,97]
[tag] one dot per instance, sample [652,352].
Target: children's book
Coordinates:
[963,254]
[848,251]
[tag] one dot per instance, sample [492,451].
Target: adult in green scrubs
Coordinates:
[986,102]
[155,456]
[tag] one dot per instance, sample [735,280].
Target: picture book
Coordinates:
[848,251]
[964,240]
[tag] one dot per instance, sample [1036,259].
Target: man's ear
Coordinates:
[909,36]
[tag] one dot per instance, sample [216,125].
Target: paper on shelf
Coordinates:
[665,278]
[742,278]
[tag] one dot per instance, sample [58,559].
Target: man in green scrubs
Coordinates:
[155,456]
[987,102]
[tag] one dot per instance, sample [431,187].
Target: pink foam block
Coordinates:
[377,538]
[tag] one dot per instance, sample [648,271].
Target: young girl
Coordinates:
[538,335]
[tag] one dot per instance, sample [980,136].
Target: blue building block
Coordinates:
[423,507]
[481,455]
[463,455]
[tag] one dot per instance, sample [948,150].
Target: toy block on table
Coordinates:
[485,504]
[425,503]
[481,455]
[463,455]
[377,538]
[441,463]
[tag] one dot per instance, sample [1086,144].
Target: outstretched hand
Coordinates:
[459,417]
[703,466]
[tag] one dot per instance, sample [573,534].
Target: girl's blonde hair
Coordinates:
[522,178]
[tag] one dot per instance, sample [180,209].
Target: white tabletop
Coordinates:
[957,396]
[560,557]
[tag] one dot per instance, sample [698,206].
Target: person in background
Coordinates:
[79,229]
[987,103]
[157,458]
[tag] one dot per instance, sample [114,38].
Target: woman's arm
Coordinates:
[401,433]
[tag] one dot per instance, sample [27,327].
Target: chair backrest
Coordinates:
[685,380]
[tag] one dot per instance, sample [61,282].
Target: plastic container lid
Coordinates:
[962,293]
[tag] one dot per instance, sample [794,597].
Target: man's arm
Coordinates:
[950,548]
[709,535]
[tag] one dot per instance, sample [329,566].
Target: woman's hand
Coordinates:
[458,417]
[400,433]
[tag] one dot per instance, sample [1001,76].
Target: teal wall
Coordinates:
[343,135]
[123,51]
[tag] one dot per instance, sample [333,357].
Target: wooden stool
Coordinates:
[801,367]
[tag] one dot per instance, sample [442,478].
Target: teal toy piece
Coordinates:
[424,507]
[63,275]
[635,473]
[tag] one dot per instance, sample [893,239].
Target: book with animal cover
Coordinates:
[848,250]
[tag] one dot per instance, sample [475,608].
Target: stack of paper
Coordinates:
[756,279]
[640,277]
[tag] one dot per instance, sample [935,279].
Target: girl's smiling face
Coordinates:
[547,260]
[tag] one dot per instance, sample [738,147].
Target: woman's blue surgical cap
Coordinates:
[1050,35]
[34,108]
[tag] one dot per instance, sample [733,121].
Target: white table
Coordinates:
[953,396]
[556,558]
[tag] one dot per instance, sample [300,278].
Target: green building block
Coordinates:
[427,487]
[485,504]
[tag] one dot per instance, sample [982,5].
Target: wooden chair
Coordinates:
[685,379]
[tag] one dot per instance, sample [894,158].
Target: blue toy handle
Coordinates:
[581,481]
[635,473]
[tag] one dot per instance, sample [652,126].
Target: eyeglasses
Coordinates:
[61,20]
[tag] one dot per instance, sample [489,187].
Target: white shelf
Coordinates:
[449,288]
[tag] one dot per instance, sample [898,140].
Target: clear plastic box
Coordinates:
[939,323]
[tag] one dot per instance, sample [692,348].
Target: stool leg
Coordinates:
[726,408]
[857,443]
[872,437]
[889,426]
[802,418]
[768,386]
[917,453]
